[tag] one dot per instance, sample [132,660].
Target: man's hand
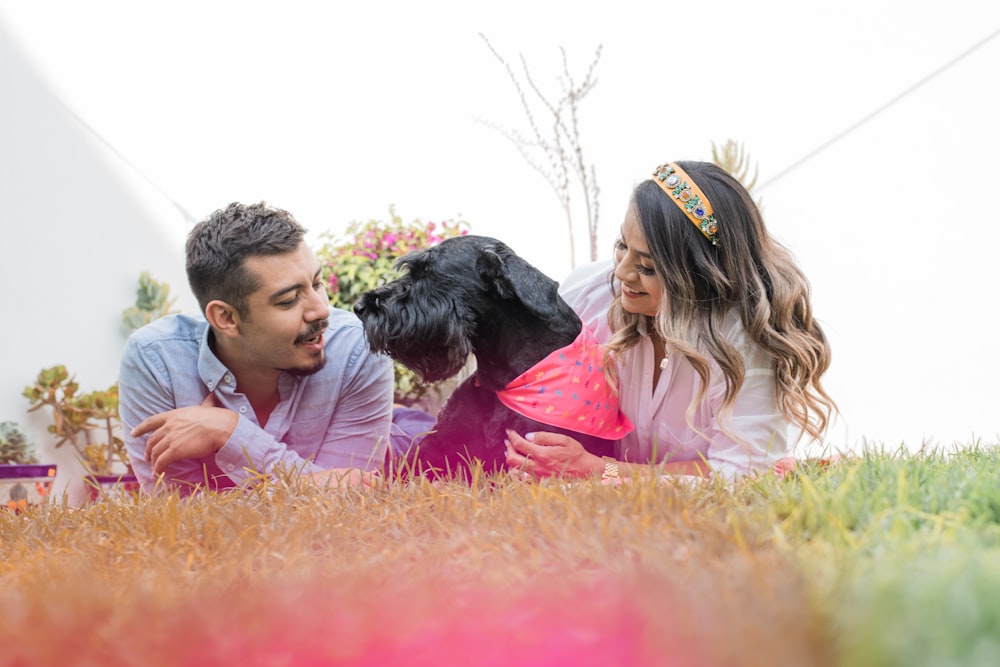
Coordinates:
[191,432]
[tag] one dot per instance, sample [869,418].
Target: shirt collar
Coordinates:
[211,370]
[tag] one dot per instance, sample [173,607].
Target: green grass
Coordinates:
[904,551]
[880,559]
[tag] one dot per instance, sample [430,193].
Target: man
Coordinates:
[271,379]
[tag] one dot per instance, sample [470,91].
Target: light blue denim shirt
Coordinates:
[338,417]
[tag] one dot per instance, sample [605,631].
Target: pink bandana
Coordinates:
[567,389]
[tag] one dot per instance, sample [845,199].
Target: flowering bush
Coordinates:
[364,259]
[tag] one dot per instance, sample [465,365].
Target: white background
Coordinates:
[874,125]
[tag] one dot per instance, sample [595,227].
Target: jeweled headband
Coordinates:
[688,196]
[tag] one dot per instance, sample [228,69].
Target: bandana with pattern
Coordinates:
[567,389]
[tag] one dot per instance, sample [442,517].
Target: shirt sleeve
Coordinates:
[362,418]
[138,398]
[588,291]
[146,389]
[757,435]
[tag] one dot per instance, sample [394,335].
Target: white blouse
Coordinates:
[757,435]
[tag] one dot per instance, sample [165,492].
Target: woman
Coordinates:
[709,323]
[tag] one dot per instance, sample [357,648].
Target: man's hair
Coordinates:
[217,246]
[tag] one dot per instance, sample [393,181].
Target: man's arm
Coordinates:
[147,390]
[362,419]
[170,429]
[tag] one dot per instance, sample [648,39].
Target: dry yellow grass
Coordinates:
[496,572]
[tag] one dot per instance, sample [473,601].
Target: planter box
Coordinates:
[111,486]
[26,485]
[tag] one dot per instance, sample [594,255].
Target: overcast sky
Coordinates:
[873,125]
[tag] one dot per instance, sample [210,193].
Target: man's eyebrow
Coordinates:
[282,292]
[292,288]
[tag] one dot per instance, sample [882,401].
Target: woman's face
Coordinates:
[640,285]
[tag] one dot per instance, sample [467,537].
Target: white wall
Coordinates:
[79,226]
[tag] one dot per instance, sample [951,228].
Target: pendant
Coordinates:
[663,362]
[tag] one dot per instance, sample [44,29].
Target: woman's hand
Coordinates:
[545,454]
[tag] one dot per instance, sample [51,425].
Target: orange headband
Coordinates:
[688,196]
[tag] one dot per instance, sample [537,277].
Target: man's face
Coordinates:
[287,315]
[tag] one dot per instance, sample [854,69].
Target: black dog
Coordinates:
[470,295]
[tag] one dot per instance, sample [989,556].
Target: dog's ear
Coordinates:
[411,262]
[514,278]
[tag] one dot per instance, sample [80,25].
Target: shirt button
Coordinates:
[211,385]
[243,408]
[227,379]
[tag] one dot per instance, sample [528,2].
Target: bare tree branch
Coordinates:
[562,150]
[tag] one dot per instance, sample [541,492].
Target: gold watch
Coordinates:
[610,468]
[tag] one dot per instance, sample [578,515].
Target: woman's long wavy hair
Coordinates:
[748,271]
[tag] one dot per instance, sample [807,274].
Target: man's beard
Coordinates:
[304,371]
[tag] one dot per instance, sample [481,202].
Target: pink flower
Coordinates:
[785,467]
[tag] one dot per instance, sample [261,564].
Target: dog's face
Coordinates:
[430,318]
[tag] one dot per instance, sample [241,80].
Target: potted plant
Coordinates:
[152,301]
[90,423]
[23,481]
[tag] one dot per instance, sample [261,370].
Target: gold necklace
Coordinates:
[666,353]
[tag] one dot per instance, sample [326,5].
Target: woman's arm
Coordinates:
[544,454]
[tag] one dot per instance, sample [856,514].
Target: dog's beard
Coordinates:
[431,365]
[435,348]
[433,355]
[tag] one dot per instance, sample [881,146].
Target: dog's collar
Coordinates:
[567,389]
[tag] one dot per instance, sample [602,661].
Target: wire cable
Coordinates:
[121,156]
[811,154]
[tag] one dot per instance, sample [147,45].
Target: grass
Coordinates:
[882,559]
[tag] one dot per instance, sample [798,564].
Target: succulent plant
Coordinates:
[16,445]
